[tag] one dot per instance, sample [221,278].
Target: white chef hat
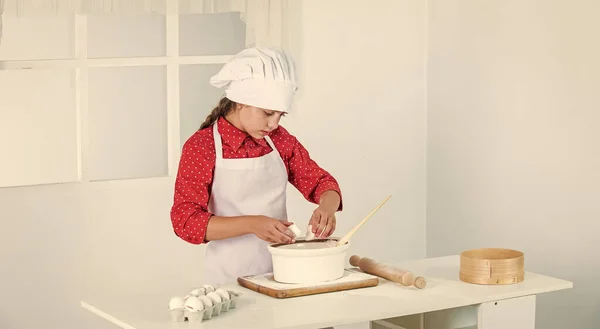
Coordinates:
[260,76]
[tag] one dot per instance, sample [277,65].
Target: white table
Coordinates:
[387,305]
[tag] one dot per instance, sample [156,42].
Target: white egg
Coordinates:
[197,292]
[194,304]
[309,233]
[216,298]
[206,301]
[223,293]
[176,303]
[208,288]
[295,230]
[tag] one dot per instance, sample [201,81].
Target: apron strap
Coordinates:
[218,143]
[270,142]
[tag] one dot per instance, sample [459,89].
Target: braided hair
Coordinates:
[225,106]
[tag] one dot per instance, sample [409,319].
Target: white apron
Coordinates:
[240,187]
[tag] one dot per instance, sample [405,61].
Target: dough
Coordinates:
[310,245]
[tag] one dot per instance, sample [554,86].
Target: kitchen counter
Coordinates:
[444,291]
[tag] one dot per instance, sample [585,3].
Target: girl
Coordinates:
[230,190]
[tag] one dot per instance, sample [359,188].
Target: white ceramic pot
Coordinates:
[308,261]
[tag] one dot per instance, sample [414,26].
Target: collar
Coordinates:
[234,137]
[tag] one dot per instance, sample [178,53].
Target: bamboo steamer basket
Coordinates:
[492,266]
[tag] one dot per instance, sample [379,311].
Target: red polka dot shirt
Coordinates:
[189,213]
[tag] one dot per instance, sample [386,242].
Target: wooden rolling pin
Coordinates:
[387,272]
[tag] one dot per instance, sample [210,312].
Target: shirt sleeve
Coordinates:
[308,177]
[189,213]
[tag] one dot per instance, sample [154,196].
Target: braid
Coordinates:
[225,105]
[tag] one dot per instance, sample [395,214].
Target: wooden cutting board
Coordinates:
[265,284]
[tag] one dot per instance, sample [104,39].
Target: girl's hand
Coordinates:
[323,222]
[272,230]
[323,218]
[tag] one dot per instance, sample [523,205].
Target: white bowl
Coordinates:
[308,261]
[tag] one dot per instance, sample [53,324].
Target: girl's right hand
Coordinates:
[272,230]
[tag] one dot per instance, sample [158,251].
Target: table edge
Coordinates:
[102,314]
[565,285]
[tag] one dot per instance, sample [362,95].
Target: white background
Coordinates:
[513,146]
[473,116]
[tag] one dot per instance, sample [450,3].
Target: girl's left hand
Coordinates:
[323,222]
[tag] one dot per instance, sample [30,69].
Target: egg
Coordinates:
[206,301]
[176,303]
[208,288]
[194,304]
[224,294]
[216,298]
[197,292]
[295,230]
[309,233]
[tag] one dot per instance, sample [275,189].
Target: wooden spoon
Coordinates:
[348,235]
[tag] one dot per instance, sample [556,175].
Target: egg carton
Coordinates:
[202,304]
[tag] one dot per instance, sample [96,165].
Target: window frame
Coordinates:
[81,64]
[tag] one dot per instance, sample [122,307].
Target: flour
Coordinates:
[266,280]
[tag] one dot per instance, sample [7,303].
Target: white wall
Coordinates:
[513,141]
[360,89]
[361,113]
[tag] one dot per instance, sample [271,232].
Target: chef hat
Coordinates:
[260,77]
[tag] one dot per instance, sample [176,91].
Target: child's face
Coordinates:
[258,122]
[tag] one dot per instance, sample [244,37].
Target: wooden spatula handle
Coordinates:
[387,272]
[348,235]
